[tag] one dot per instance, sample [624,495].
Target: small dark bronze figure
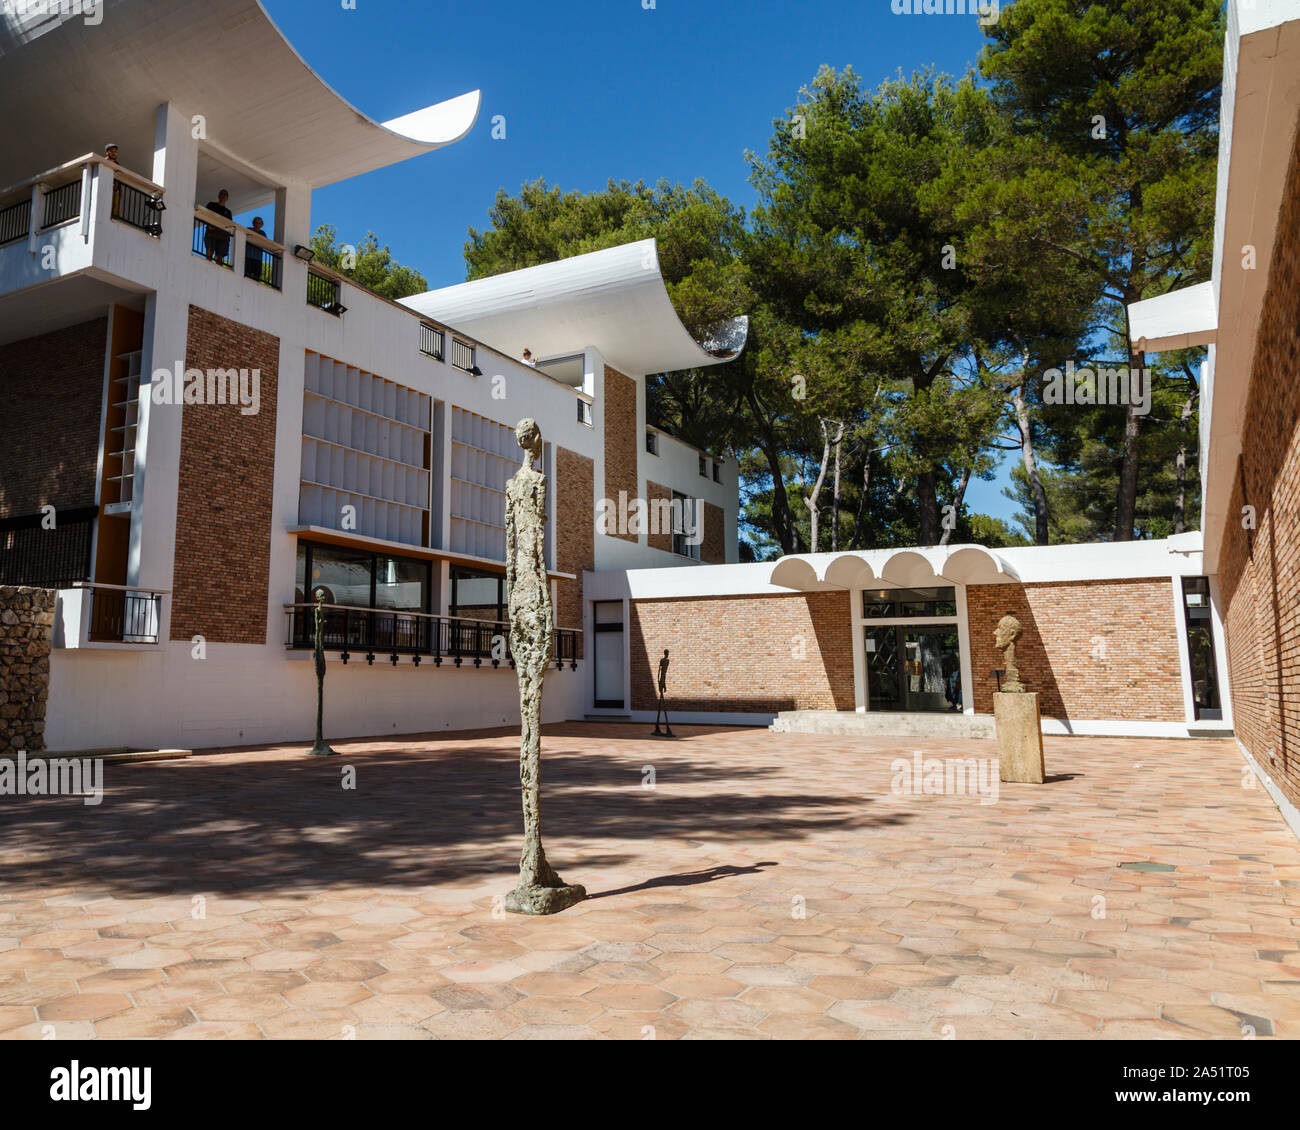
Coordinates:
[667,731]
[320,749]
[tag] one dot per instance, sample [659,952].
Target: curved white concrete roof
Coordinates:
[904,568]
[81,85]
[614,300]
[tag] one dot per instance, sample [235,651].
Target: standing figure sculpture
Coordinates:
[663,690]
[320,749]
[1004,639]
[540,890]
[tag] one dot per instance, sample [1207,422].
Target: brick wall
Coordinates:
[713,549]
[51,389]
[1091,649]
[575,532]
[1259,569]
[757,654]
[656,494]
[621,444]
[26,624]
[223,506]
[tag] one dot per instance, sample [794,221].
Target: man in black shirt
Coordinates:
[216,241]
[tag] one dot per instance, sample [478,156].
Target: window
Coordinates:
[652,443]
[899,603]
[704,471]
[477,595]
[686,540]
[717,472]
[584,412]
[1200,648]
[359,579]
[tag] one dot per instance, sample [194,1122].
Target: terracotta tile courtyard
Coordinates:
[766,886]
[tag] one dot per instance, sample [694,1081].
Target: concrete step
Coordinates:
[607,718]
[883,724]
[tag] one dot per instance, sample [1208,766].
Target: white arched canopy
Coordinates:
[899,568]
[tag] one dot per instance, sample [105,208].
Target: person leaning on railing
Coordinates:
[253,253]
[216,241]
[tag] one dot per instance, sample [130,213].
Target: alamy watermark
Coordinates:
[1083,385]
[950,776]
[92,11]
[179,385]
[53,776]
[677,516]
[986,11]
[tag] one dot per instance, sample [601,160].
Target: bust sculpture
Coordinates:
[540,890]
[1004,639]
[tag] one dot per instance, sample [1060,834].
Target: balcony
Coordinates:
[107,616]
[230,245]
[375,632]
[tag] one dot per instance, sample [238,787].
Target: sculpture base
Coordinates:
[663,734]
[322,749]
[1020,737]
[544,900]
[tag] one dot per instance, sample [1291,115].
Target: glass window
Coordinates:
[344,574]
[401,584]
[477,595]
[909,602]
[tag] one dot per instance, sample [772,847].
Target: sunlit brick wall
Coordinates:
[749,654]
[575,534]
[1259,569]
[1091,649]
[622,445]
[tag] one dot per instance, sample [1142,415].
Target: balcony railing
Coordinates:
[16,221]
[31,553]
[214,238]
[137,208]
[375,632]
[432,342]
[462,355]
[62,204]
[323,292]
[262,263]
[123,615]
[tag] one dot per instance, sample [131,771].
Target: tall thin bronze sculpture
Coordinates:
[663,707]
[320,749]
[540,890]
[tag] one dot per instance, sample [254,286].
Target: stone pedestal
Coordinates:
[544,900]
[1020,737]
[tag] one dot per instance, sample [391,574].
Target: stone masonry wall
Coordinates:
[1259,567]
[26,626]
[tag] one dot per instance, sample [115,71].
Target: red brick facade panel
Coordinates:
[575,532]
[223,505]
[1259,568]
[745,654]
[52,391]
[622,446]
[657,497]
[1091,649]
[713,549]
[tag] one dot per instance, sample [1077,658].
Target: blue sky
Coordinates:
[590,90]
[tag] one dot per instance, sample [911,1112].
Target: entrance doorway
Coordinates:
[912,650]
[608,644]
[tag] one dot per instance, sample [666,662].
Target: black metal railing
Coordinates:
[462,354]
[62,204]
[432,342]
[375,632]
[137,208]
[34,553]
[16,221]
[262,264]
[124,615]
[213,242]
[323,292]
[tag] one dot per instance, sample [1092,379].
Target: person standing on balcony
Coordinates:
[216,241]
[110,155]
[253,252]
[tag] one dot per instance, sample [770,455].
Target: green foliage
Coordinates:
[368,264]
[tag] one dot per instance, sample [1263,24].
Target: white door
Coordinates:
[608,622]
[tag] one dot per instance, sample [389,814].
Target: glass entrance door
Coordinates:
[913,668]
